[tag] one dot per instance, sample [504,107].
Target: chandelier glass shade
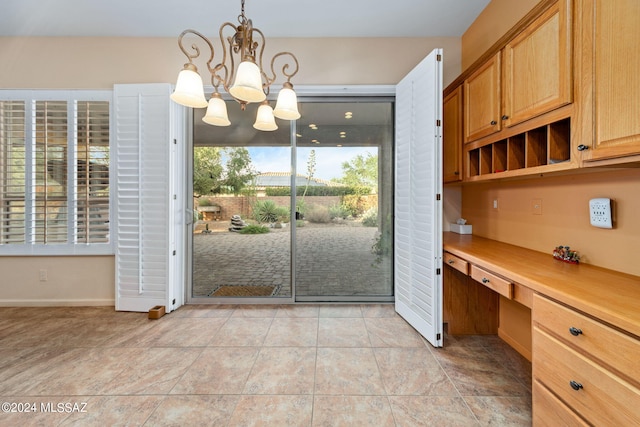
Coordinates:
[241,74]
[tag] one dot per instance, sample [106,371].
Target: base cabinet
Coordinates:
[586,366]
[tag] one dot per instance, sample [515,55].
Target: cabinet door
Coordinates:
[452,136]
[537,71]
[482,101]
[615,61]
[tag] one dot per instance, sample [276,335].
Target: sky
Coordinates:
[328,159]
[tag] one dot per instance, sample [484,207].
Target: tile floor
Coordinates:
[297,365]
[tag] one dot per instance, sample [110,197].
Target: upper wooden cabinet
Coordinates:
[452,136]
[482,100]
[611,91]
[559,91]
[537,68]
[529,76]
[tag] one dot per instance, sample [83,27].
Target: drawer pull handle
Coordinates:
[575,385]
[451,261]
[575,331]
[485,280]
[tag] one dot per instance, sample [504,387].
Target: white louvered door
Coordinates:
[146,198]
[418,189]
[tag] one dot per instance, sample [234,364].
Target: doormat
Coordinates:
[245,291]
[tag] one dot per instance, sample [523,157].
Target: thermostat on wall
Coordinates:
[600,212]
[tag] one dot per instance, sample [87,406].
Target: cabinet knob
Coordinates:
[575,331]
[505,117]
[583,147]
[451,261]
[575,385]
[493,123]
[456,173]
[485,280]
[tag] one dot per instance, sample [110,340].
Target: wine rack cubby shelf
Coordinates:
[546,145]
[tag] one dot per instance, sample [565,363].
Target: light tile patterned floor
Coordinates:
[297,365]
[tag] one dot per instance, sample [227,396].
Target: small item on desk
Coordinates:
[461,227]
[564,253]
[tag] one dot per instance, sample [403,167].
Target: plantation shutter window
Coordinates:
[54,172]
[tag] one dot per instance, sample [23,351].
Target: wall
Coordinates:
[492,23]
[565,215]
[87,280]
[99,63]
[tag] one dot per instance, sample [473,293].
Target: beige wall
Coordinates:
[99,63]
[494,21]
[87,280]
[565,215]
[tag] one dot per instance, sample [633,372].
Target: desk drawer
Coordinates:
[591,390]
[616,349]
[549,411]
[457,263]
[491,281]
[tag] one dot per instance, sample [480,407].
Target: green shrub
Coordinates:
[318,214]
[370,218]
[254,229]
[318,191]
[300,223]
[204,202]
[301,206]
[267,211]
[338,211]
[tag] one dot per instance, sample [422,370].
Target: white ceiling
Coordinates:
[276,18]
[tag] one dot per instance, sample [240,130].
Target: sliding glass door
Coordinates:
[343,239]
[242,231]
[303,213]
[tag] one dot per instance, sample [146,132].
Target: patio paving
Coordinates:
[332,260]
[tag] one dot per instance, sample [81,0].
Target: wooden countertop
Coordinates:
[610,296]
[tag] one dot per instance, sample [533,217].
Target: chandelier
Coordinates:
[241,74]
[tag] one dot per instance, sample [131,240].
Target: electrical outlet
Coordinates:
[536,206]
[43,275]
[600,212]
[495,203]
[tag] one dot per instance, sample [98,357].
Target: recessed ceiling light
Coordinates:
[339,145]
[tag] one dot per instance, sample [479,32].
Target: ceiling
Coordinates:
[276,18]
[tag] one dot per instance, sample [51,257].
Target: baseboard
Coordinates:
[525,352]
[57,303]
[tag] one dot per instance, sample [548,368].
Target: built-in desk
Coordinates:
[584,325]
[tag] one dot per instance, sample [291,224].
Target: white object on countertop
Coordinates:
[461,228]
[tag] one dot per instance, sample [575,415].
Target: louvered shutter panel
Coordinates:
[143,199]
[418,208]
[91,189]
[13,157]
